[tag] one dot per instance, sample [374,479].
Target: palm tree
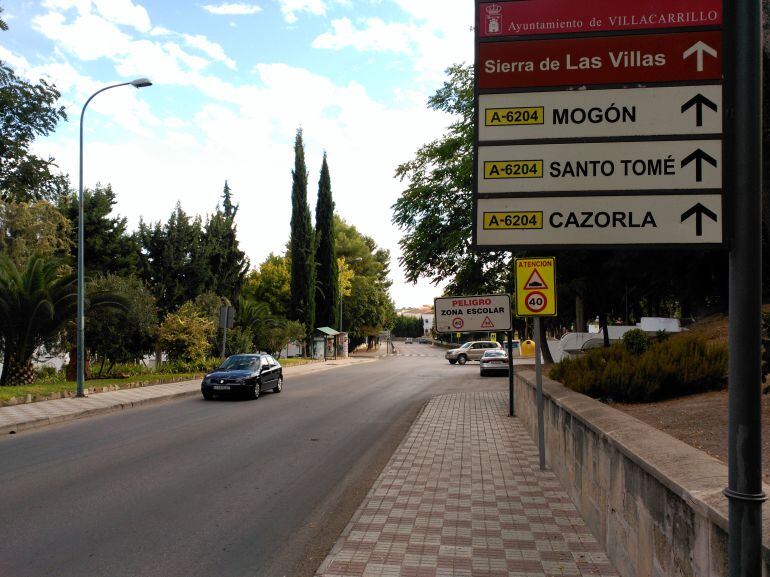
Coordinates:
[36,301]
[255,318]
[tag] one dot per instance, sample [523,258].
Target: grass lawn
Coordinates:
[48,387]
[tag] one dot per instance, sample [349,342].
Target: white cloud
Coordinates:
[211,49]
[19,63]
[124,12]
[120,12]
[89,37]
[291,8]
[161,31]
[244,131]
[436,35]
[232,9]
[375,36]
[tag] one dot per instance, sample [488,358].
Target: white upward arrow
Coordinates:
[699,48]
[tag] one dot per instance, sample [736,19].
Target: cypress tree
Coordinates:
[301,243]
[327,289]
[227,263]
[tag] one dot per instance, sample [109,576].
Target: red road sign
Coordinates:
[536,302]
[538,17]
[649,58]
[458,323]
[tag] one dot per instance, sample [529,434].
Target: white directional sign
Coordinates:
[599,220]
[685,110]
[602,139]
[609,166]
[473,314]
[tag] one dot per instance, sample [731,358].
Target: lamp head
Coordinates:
[141,83]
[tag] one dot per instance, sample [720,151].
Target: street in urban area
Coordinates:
[231,487]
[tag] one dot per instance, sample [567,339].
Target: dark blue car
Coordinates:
[244,375]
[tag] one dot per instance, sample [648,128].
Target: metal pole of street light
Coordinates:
[743,152]
[80,321]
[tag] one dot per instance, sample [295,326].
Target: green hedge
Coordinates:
[673,367]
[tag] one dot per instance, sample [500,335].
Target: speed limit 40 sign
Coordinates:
[535,287]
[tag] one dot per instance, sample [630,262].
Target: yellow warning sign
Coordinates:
[520,116]
[519,220]
[535,287]
[498,169]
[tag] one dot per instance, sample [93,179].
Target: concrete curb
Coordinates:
[44,421]
[90,412]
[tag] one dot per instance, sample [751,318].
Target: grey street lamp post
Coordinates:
[357,259]
[138,83]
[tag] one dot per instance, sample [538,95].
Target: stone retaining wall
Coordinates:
[654,502]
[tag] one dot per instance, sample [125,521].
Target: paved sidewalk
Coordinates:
[27,416]
[463,496]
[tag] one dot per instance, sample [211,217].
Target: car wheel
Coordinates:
[208,395]
[462,359]
[255,391]
[278,385]
[452,361]
[482,374]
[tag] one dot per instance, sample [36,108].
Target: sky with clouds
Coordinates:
[232,83]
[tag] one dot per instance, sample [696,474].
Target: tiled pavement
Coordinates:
[463,496]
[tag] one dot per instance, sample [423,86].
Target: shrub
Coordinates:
[679,366]
[186,334]
[636,341]
[49,375]
[204,365]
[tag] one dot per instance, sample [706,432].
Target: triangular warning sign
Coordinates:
[535,282]
[487,324]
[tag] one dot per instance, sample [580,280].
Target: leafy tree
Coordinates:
[346,274]
[227,263]
[367,308]
[186,334]
[435,210]
[327,283]
[109,249]
[301,244]
[27,110]
[120,335]
[33,228]
[36,302]
[173,260]
[208,304]
[269,333]
[271,284]
[367,311]
[407,326]
[239,341]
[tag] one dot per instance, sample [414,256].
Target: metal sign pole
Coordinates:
[511,409]
[540,403]
[743,86]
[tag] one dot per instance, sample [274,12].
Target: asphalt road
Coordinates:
[192,488]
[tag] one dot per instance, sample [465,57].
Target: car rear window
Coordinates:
[496,353]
